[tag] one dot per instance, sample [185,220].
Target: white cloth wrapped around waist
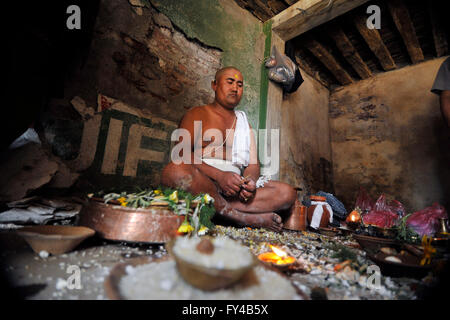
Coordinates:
[226,165]
[318,211]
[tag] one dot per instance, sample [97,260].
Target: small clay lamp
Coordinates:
[277,258]
[353,220]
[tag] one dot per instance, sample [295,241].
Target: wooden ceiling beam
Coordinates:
[299,53]
[348,51]
[375,43]
[261,12]
[321,53]
[402,20]
[263,7]
[307,14]
[276,5]
[439,36]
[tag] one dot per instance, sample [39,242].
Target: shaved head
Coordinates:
[228,86]
[220,72]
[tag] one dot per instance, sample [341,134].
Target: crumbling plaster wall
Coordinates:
[305,149]
[223,24]
[388,136]
[149,62]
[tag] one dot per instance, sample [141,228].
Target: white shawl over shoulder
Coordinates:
[241,142]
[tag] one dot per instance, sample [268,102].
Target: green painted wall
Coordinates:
[223,24]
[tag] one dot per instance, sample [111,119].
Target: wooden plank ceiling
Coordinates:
[265,9]
[343,50]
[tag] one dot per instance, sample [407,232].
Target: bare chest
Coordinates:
[218,132]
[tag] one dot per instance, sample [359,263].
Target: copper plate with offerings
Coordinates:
[154,224]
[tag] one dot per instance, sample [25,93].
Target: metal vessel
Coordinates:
[155,224]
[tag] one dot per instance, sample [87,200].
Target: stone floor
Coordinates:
[42,278]
[38,277]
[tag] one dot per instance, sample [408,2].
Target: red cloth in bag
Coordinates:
[383,214]
[426,221]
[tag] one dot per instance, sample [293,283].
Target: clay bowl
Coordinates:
[205,278]
[345,231]
[273,265]
[112,281]
[408,267]
[373,243]
[331,232]
[441,242]
[54,239]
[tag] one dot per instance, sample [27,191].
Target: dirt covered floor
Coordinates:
[327,267]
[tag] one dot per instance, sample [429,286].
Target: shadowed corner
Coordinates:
[7,291]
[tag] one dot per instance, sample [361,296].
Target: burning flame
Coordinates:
[277,256]
[354,216]
[278,252]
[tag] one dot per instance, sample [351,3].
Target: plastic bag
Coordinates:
[28,136]
[364,201]
[281,68]
[426,221]
[382,219]
[393,206]
[384,214]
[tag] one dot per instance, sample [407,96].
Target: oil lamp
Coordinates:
[277,258]
[353,220]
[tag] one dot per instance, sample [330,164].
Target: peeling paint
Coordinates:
[223,24]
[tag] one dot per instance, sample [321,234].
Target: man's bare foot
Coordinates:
[269,220]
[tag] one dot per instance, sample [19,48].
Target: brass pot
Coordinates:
[154,224]
[443,231]
[297,219]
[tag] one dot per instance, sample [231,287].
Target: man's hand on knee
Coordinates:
[248,190]
[230,183]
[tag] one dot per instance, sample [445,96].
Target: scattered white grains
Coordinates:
[129,269]
[43,254]
[161,280]
[61,284]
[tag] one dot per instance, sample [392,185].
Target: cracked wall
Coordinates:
[223,24]
[388,136]
[147,65]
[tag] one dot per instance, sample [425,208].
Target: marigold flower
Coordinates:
[174,196]
[185,228]
[208,198]
[202,231]
[428,250]
[123,201]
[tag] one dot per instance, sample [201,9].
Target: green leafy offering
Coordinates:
[180,202]
[404,233]
[206,214]
[343,253]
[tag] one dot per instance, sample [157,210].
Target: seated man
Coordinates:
[227,170]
